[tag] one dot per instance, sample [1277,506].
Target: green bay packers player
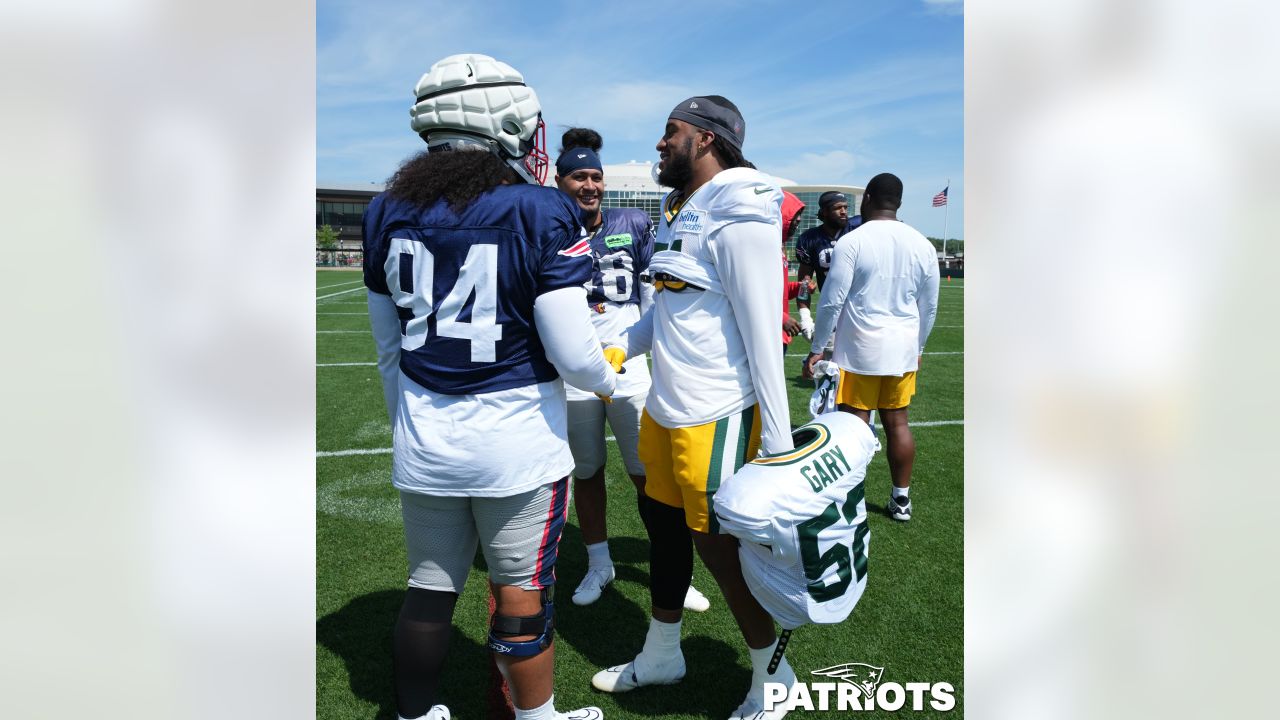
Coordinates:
[718,393]
[621,245]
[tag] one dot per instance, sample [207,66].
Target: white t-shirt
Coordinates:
[801,518]
[881,297]
[717,351]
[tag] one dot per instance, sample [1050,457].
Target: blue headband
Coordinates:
[577,159]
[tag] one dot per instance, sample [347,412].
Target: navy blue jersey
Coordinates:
[464,284]
[814,247]
[621,249]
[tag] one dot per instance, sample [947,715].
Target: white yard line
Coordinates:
[610,438]
[341,284]
[342,292]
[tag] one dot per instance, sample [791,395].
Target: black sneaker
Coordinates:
[900,508]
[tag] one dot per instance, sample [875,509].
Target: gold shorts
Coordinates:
[876,392]
[685,466]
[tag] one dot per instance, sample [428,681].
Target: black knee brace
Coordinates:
[542,626]
[670,553]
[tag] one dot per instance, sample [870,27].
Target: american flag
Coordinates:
[941,198]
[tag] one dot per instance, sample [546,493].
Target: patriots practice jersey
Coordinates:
[621,249]
[464,284]
[802,520]
[814,248]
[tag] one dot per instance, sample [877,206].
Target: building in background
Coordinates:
[627,185]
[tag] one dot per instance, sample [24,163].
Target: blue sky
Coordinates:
[832,92]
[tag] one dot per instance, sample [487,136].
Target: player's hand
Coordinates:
[806,323]
[790,326]
[812,284]
[807,371]
[615,356]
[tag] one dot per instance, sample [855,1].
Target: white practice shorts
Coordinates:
[519,535]
[586,433]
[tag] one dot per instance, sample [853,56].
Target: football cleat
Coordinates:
[696,601]
[586,713]
[437,712]
[640,672]
[900,508]
[593,585]
[752,708]
[474,102]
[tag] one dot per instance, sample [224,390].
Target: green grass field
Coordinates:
[910,621]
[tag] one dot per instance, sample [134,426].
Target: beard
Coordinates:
[678,171]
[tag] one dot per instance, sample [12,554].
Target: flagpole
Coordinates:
[945,213]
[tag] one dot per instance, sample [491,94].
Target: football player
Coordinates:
[814,248]
[718,393]
[621,245]
[475,276]
[892,270]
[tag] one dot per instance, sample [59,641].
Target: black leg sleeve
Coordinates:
[670,553]
[421,640]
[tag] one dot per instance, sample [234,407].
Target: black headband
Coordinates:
[708,114]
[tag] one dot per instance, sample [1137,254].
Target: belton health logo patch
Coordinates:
[859,687]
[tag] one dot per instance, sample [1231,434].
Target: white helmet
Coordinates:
[473,102]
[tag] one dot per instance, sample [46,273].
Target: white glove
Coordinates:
[806,323]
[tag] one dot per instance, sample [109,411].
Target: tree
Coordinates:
[954,245]
[326,238]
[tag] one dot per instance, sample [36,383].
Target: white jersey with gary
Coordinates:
[881,299]
[716,347]
[802,520]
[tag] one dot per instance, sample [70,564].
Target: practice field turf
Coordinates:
[910,621]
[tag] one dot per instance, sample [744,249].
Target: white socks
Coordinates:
[663,639]
[547,711]
[900,492]
[598,555]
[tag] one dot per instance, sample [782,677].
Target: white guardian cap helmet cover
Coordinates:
[474,102]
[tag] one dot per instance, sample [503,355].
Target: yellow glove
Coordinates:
[615,356]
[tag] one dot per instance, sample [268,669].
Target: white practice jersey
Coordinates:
[801,518]
[716,348]
[882,295]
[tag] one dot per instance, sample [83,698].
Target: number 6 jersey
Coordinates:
[620,249]
[802,520]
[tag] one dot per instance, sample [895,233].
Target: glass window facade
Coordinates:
[650,202]
[339,214]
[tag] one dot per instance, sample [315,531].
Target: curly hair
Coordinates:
[729,156]
[581,137]
[457,176]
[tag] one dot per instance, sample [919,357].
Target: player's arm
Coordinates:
[560,313]
[834,293]
[570,342]
[386,339]
[754,292]
[383,316]
[927,300]
[644,254]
